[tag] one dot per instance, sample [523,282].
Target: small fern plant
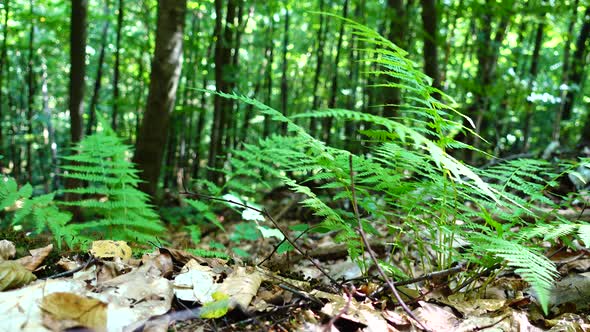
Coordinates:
[410,185]
[36,214]
[115,207]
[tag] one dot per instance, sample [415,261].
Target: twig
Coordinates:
[275,224]
[72,271]
[432,275]
[372,253]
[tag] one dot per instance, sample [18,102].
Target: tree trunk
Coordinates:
[270,57]
[221,106]
[120,16]
[284,84]
[532,76]
[327,123]
[30,94]
[78,67]
[313,123]
[398,28]
[165,73]
[3,55]
[577,66]
[565,71]
[99,66]
[430,22]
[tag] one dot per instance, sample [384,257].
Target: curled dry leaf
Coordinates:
[7,250]
[85,311]
[37,257]
[14,275]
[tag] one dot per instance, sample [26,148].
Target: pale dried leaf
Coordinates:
[14,275]
[37,257]
[88,312]
[111,249]
[242,285]
[7,250]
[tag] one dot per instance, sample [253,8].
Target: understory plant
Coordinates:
[409,187]
[111,205]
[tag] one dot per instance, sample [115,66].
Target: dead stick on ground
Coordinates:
[372,254]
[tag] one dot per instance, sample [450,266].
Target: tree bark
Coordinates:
[284,83]
[120,16]
[221,106]
[430,23]
[3,54]
[565,71]
[327,123]
[99,66]
[30,94]
[78,67]
[577,66]
[164,77]
[398,28]
[532,76]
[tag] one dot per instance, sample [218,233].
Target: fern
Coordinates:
[117,209]
[408,181]
[36,214]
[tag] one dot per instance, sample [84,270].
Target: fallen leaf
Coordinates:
[89,312]
[241,285]
[37,257]
[111,249]
[7,250]
[14,275]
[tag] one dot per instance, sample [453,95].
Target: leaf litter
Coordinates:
[109,290]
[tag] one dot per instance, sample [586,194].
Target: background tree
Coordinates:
[165,73]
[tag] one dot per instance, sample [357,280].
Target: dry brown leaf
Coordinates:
[111,249]
[14,275]
[37,257]
[7,250]
[436,318]
[161,260]
[241,285]
[89,312]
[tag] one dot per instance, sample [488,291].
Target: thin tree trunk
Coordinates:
[565,72]
[270,57]
[78,67]
[327,123]
[201,118]
[284,83]
[577,66]
[221,106]
[30,94]
[532,76]
[52,181]
[99,66]
[164,77]
[398,28]
[430,22]
[313,122]
[120,16]
[3,60]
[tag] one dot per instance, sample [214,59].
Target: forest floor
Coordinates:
[115,288]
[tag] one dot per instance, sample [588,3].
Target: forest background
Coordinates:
[517,68]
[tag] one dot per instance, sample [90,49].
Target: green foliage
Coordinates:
[33,213]
[410,184]
[116,208]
